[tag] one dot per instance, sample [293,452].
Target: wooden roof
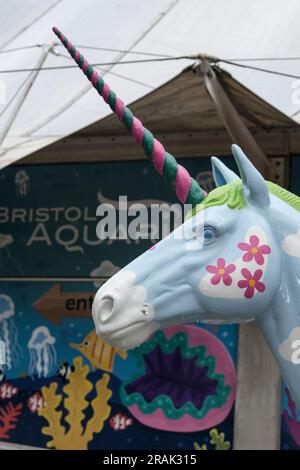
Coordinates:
[183,104]
[183,116]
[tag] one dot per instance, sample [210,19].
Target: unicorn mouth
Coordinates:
[129,337]
[177,379]
[120,313]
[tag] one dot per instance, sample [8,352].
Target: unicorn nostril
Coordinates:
[105,308]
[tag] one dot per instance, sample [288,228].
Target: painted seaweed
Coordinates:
[73,434]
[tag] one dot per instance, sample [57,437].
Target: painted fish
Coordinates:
[64,371]
[7,391]
[98,352]
[120,422]
[2,377]
[35,402]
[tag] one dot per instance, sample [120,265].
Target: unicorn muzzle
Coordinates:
[121,316]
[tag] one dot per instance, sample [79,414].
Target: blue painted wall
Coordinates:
[39,205]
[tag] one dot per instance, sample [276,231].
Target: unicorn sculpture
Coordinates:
[247,266]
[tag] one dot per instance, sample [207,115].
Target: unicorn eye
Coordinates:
[209,235]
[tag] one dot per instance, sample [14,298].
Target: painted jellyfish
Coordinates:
[8,331]
[22,182]
[6,257]
[42,352]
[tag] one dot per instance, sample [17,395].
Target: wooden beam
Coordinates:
[277,142]
[237,129]
[257,405]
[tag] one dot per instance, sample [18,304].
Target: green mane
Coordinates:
[290,198]
[232,195]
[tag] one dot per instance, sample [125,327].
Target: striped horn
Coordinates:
[187,189]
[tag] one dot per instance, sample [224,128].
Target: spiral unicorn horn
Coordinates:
[187,189]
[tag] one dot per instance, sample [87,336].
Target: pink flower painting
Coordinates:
[254,250]
[251,282]
[221,272]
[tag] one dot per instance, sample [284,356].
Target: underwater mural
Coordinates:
[62,386]
[184,376]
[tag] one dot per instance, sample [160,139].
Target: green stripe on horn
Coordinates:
[187,189]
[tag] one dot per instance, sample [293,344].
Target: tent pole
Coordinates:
[23,95]
[257,405]
[232,120]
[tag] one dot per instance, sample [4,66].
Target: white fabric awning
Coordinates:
[61,102]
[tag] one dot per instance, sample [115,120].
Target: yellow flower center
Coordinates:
[252,283]
[221,272]
[254,250]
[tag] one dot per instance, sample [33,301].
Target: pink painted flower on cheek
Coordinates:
[221,272]
[251,282]
[254,250]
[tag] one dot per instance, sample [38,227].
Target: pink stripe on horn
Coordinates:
[182,184]
[94,78]
[120,108]
[76,55]
[70,45]
[105,92]
[137,130]
[85,65]
[158,156]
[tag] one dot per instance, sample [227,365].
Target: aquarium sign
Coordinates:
[48,215]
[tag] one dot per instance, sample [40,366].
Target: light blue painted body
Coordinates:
[171,283]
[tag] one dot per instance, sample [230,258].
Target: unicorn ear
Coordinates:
[255,188]
[222,175]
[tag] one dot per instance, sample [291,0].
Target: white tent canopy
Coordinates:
[59,102]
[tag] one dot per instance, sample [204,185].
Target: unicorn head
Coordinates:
[236,258]
[222,266]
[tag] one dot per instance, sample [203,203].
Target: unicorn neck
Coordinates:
[280,323]
[286,217]
[285,223]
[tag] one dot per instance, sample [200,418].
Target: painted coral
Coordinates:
[9,416]
[185,383]
[70,433]
[217,440]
